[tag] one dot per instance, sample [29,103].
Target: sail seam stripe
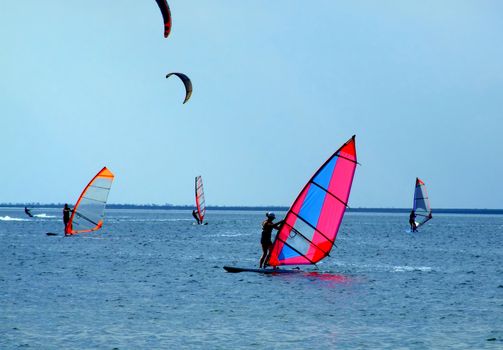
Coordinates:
[314,228]
[92,199]
[307,239]
[350,160]
[85,218]
[285,243]
[103,188]
[330,193]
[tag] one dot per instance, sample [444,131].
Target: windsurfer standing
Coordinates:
[194,214]
[66,217]
[412,221]
[265,240]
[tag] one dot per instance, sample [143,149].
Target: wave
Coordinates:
[411,268]
[44,216]
[393,268]
[228,235]
[8,218]
[145,220]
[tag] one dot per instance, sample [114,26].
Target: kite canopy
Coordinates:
[166,16]
[88,213]
[421,204]
[310,227]
[186,81]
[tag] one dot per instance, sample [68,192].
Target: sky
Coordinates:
[278,87]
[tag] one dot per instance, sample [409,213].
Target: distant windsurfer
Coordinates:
[412,221]
[28,212]
[196,216]
[66,218]
[266,239]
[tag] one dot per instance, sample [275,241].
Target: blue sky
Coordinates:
[278,87]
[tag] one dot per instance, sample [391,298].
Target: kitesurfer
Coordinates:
[27,212]
[265,240]
[194,214]
[66,217]
[412,221]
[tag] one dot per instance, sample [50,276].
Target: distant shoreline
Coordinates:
[256,208]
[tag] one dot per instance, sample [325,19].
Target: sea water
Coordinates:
[152,279]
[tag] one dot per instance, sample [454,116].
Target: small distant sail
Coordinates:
[200,204]
[89,211]
[311,225]
[421,205]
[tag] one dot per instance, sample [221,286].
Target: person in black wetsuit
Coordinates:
[266,240]
[412,221]
[66,218]
[194,214]
[27,212]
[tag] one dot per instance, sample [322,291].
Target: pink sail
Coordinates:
[311,225]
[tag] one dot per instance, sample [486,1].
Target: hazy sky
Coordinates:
[278,87]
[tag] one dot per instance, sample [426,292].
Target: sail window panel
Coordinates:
[287,253]
[302,227]
[298,243]
[311,207]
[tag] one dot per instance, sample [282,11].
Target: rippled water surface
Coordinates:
[152,279]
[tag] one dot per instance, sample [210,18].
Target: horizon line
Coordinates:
[168,206]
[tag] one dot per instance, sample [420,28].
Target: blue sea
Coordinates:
[150,279]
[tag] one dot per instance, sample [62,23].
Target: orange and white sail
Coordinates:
[89,212]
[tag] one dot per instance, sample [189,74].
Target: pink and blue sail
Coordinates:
[310,228]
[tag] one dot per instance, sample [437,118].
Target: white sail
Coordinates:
[421,205]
